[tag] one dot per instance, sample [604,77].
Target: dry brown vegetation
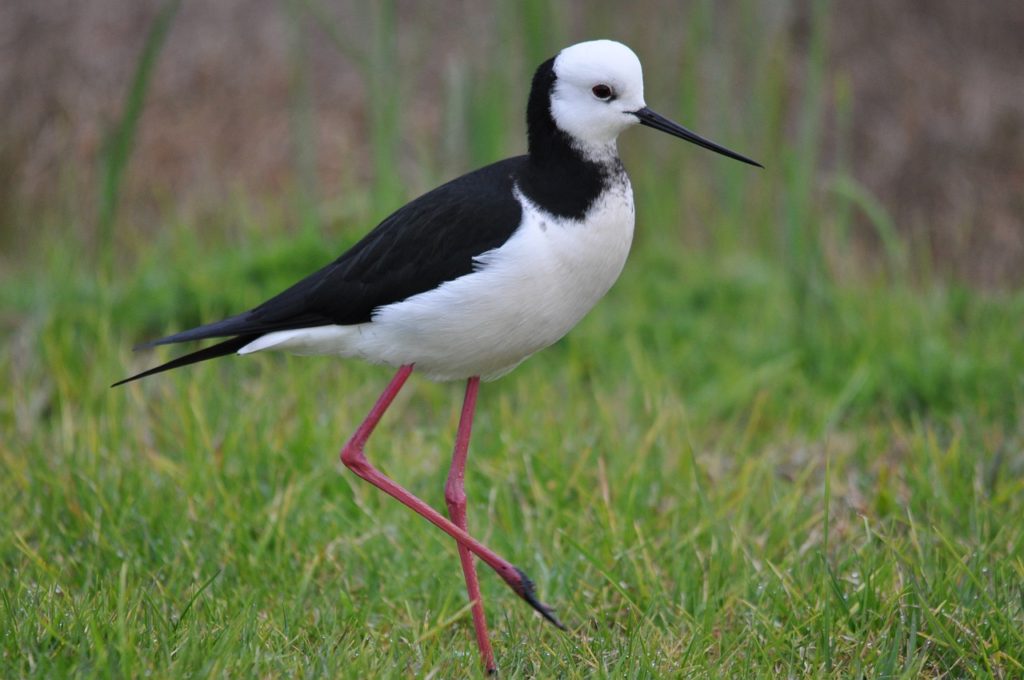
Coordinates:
[936,95]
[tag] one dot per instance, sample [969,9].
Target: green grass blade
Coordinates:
[120,141]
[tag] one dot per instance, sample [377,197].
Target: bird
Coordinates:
[470,279]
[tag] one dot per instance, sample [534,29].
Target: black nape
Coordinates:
[557,177]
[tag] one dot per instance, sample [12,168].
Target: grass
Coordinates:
[696,493]
[746,462]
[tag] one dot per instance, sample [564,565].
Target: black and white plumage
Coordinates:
[480,273]
[470,279]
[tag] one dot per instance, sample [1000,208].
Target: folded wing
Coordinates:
[430,240]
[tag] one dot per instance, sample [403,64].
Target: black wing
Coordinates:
[430,240]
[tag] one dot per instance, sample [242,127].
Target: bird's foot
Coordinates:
[525,589]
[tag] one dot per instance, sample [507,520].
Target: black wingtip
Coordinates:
[149,344]
[239,324]
[213,351]
[528,592]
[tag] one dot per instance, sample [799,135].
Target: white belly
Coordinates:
[523,296]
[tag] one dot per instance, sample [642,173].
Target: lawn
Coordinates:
[701,485]
[767,453]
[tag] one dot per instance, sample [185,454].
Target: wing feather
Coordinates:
[430,240]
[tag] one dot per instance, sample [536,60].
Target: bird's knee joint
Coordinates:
[454,497]
[354,459]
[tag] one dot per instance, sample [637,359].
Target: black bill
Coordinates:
[659,122]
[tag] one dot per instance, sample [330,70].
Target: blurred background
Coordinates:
[789,442]
[884,126]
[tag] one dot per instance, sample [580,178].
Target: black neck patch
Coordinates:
[557,177]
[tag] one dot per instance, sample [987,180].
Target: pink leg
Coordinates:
[354,458]
[455,498]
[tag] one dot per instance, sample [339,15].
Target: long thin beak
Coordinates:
[659,122]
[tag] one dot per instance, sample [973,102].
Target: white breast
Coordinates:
[522,297]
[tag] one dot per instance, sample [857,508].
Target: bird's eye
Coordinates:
[602,92]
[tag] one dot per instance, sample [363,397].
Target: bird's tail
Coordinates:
[212,352]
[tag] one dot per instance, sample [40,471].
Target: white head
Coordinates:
[598,86]
[592,91]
